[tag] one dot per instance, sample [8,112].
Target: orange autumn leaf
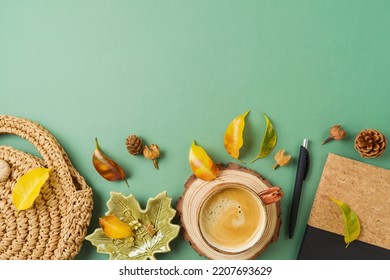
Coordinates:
[115,228]
[233,139]
[201,164]
[106,167]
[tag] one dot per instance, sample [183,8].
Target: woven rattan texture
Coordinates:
[56,225]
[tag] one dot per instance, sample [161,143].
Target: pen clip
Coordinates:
[307,158]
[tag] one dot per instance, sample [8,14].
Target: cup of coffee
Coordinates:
[233,218]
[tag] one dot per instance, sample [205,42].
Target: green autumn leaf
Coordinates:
[141,246]
[351,222]
[269,140]
[28,187]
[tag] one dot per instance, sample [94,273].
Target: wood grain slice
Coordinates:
[195,192]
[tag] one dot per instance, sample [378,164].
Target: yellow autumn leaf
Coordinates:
[233,139]
[351,222]
[201,164]
[27,188]
[115,228]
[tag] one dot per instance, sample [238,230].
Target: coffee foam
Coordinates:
[230,218]
[227,210]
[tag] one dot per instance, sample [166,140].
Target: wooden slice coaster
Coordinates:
[196,190]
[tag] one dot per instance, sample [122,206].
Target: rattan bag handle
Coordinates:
[47,146]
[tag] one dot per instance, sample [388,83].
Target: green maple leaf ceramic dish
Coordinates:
[144,244]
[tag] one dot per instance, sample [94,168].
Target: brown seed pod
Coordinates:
[335,133]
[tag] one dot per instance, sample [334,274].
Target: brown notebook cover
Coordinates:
[366,189]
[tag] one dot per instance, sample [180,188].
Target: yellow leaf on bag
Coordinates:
[27,188]
[233,139]
[115,228]
[201,164]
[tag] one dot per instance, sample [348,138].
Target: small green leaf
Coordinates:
[27,188]
[269,140]
[351,222]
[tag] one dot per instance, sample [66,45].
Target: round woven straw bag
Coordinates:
[56,225]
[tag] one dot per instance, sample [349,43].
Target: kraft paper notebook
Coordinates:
[366,189]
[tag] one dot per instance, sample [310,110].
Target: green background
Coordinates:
[174,71]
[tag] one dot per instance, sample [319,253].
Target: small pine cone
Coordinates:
[134,145]
[370,143]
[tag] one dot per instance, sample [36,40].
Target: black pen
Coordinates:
[302,168]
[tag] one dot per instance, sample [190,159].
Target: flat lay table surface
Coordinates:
[177,71]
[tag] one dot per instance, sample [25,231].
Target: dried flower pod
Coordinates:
[281,159]
[336,133]
[370,143]
[5,170]
[152,152]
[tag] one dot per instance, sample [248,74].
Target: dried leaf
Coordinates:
[115,228]
[201,164]
[351,222]
[269,140]
[28,186]
[233,139]
[106,167]
[158,212]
